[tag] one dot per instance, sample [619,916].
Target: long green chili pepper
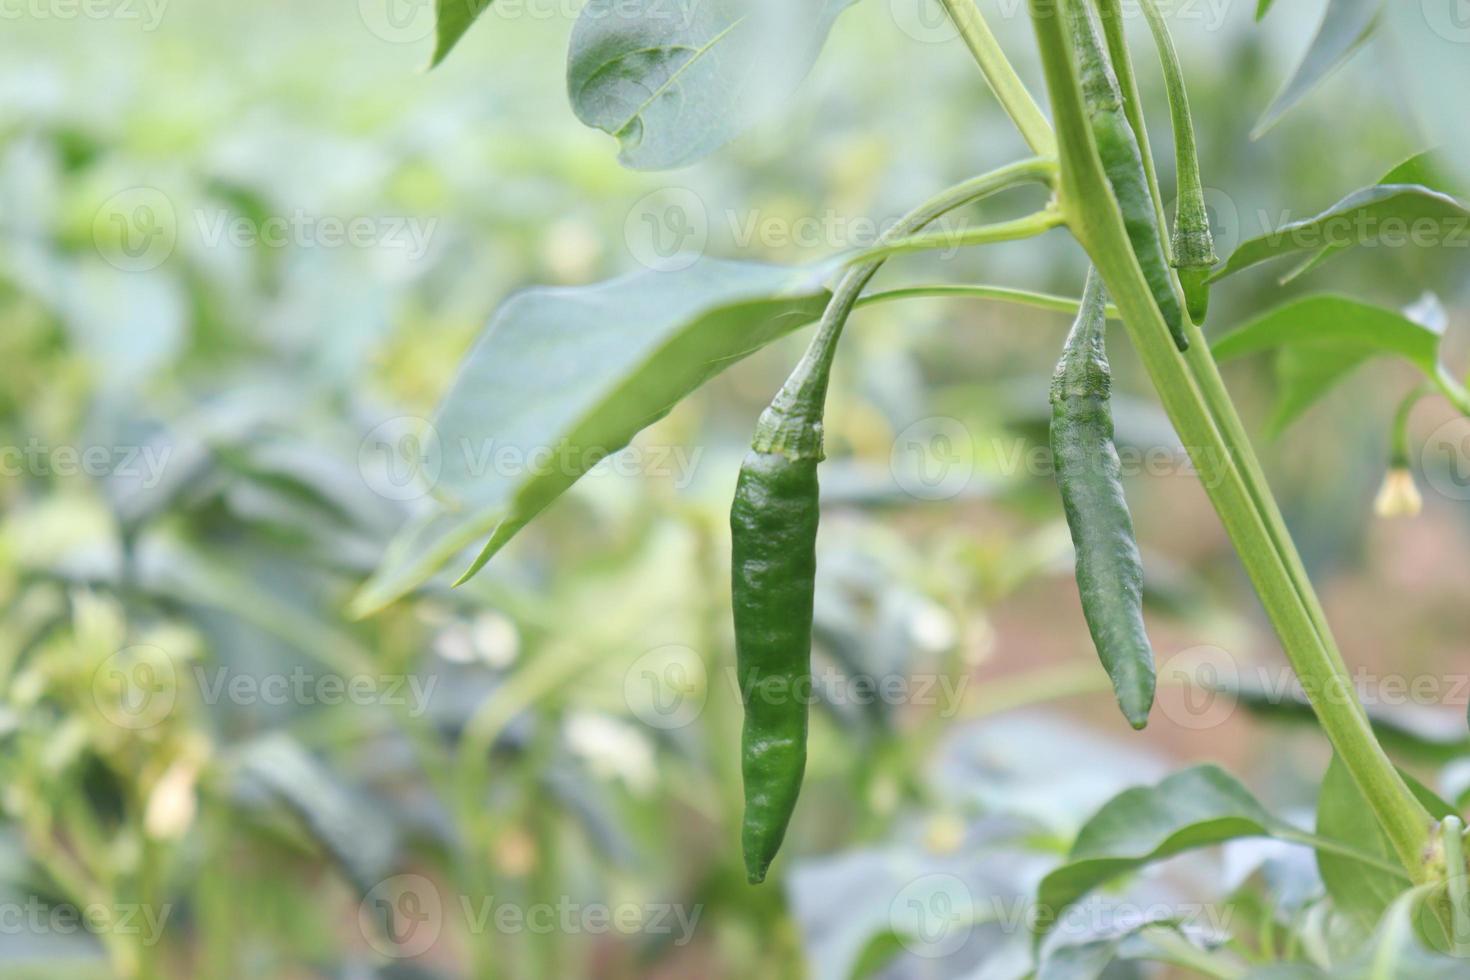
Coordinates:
[1109,569]
[773,524]
[1194,245]
[1122,160]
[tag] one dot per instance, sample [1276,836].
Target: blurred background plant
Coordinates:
[242,251]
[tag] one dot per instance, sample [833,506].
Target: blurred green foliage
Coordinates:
[199,362]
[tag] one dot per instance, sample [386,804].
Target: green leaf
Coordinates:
[1194,808]
[1321,340]
[674,80]
[451,19]
[1262,6]
[1424,169]
[1429,41]
[564,377]
[1346,24]
[1384,213]
[1362,892]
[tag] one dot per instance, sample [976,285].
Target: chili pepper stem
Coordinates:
[1220,454]
[1001,77]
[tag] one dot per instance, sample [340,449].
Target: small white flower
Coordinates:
[1399,496]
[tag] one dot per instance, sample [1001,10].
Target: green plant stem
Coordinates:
[1001,231]
[1399,457]
[1178,951]
[1002,77]
[1001,294]
[1268,561]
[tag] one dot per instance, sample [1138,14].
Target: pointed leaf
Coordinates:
[451,19]
[1191,809]
[1346,24]
[1324,338]
[675,80]
[1262,6]
[1424,169]
[1390,213]
[564,377]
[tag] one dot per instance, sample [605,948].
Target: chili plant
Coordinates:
[576,369]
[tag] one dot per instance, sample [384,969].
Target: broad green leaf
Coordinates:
[451,19]
[1346,24]
[1430,39]
[674,80]
[1358,890]
[1387,214]
[1321,339]
[1194,808]
[564,377]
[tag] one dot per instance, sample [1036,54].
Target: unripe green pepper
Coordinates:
[1109,568]
[1122,160]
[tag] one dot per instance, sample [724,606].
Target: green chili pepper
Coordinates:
[1109,569]
[1194,245]
[773,524]
[1122,160]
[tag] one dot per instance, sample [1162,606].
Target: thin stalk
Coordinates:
[1095,221]
[1399,457]
[1001,294]
[1189,190]
[1002,77]
[817,360]
[1452,832]
[944,241]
